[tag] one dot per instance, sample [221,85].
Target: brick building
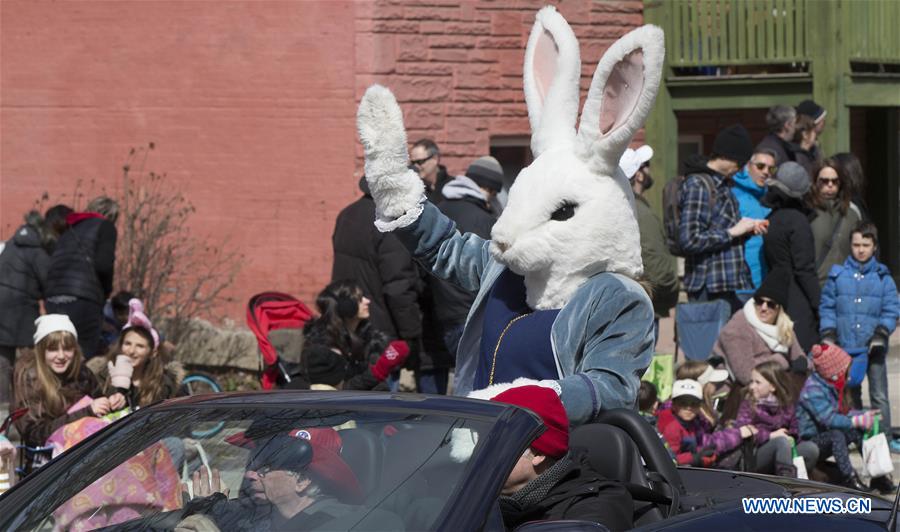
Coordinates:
[251,104]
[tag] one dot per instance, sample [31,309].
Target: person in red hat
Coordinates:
[824,416]
[548,482]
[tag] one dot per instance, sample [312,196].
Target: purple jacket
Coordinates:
[767,418]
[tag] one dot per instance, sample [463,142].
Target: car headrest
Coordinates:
[362,451]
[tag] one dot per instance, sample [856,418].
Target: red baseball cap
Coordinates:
[544,402]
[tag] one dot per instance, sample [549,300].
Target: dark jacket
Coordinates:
[83,262]
[660,267]
[23,278]
[784,150]
[579,494]
[360,356]
[37,425]
[789,245]
[381,265]
[829,225]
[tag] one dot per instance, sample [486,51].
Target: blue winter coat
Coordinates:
[749,195]
[818,409]
[602,339]
[857,299]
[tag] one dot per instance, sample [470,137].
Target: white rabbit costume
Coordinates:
[557,300]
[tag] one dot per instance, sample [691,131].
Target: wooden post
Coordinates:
[827,31]
[661,129]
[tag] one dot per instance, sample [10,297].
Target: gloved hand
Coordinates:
[879,341]
[864,421]
[799,365]
[392,358]
[396,189]
[704,458]
[829,336]
[120,373]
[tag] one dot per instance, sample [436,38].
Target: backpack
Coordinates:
[672,208]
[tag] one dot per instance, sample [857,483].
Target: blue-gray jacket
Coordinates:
[857,300]
[602,339]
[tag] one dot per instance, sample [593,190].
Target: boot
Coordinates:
[884,484]
[785,470]
[853,482]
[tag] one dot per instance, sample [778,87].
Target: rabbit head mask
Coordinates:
[570,214]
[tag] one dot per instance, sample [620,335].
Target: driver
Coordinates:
[550,483]
[295,481]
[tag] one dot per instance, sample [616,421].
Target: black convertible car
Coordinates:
[399,449]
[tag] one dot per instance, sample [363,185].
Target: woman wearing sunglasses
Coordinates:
[835,216]
[761,332]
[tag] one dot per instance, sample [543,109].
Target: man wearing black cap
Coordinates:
[815,111]
[711,231]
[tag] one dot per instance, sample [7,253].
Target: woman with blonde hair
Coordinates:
[52,379]
[760,332]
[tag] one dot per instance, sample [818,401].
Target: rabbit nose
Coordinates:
[502,245]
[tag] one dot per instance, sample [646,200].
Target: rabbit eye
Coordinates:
[564,212]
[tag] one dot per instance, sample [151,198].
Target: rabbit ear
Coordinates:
[622,93]
[552,71]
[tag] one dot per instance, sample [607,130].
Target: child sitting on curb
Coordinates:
[767,406]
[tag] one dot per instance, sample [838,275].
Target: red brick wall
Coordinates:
[251,104]
[456,67]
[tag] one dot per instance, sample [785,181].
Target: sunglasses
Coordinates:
[828,181]
[763,166]
[420,162]
[760,302]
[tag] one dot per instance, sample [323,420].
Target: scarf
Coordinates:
[768,333]
[536,491]
[839,386]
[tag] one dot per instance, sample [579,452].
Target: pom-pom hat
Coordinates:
[830,361]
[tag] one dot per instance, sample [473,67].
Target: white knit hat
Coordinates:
[50,323]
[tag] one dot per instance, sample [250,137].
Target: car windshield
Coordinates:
[261,468]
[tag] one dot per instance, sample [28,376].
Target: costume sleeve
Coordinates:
[803,256]
[399,278]
[827,306]
[618,349]
[435,242]
[695,232]
[890,305]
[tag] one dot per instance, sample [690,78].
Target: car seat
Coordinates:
[617,446]
[363,453]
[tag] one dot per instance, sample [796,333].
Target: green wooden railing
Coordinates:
[748,32]
[873,30]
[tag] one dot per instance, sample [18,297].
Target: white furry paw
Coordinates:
[397,190]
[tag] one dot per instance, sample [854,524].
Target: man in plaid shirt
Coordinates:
[711,231]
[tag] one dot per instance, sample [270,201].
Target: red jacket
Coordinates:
[686,438]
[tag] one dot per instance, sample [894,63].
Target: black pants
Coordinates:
[7,362]
[87,317]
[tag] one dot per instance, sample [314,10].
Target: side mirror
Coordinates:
[566,525]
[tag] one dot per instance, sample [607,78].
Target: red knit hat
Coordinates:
[830,361]
[544,402]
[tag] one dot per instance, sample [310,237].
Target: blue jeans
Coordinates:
[432,381]
[730,297]
[878,390]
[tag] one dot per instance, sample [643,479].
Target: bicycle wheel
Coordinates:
[196,384]
[200,383]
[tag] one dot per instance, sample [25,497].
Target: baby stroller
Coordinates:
[277,320]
